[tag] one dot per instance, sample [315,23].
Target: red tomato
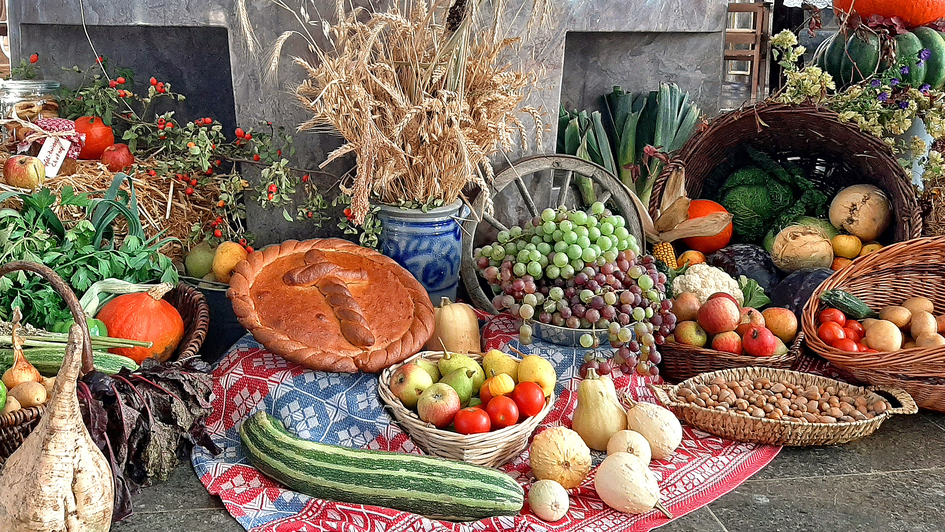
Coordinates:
[502,411]
[472,420]
[484,394]
[832,314]
[830,332]
[852,333]
[856,326]
[870,350]
[861,347]
[846,344]
[529,397]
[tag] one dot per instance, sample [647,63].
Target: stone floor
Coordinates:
[891,481]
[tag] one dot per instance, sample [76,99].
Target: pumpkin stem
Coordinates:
[659,506]
[158,291]
[444,301]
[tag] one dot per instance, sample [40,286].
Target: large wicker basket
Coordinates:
[681,361]
[883,278]
[490,449]
[741,427]
[832,153]
[16,426]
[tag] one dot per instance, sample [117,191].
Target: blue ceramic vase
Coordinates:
[427,244]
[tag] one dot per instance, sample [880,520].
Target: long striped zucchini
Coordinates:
[49,360]
[433,487]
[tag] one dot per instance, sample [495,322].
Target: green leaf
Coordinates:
[754,296]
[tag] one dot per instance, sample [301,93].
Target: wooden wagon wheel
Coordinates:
[540,181]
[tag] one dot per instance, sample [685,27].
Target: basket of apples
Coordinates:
[480,409]
[719,333]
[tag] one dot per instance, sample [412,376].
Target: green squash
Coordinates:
[852,57]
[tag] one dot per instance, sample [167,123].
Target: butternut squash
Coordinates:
[598,414]
[455,328]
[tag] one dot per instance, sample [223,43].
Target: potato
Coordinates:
[12,406]
[899,316]
[884,335]
[940,321]
[922,322]
[929,340]
[908,345]
[915,304]
[29,394]
[867,322]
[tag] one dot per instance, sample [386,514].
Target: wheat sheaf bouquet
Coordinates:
[421,93]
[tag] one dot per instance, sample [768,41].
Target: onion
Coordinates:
[21,371]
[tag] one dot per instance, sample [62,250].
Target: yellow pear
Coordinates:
[534,368]
[499,362]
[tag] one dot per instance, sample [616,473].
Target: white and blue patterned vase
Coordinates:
[427,244]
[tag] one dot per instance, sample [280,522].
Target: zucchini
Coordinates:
[851,305]
[49,360]
[433,487]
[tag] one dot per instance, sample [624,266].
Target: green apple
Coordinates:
[408,382]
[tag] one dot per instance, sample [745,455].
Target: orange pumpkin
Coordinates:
[912,12]
[98,136]
[707,244]
[145,317]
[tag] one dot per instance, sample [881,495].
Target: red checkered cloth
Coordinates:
[345,410]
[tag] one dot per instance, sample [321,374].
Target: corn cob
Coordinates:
[664,251]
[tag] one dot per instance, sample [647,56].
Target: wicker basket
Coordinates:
[928,393]
[16,426]
[490,449]
[681,361]
[833,155]
[741,427]
[887,277]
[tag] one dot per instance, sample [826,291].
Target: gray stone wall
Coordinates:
[586,47]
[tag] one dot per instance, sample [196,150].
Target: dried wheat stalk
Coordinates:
[420,93]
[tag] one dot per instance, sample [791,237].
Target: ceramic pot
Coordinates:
[427,244]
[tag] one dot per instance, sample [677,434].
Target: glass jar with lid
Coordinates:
[29,99]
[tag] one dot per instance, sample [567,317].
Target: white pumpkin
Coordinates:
[658,425]
[548,500]
[559,454]
[630,441]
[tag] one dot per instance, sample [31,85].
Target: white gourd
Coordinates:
[658,425]
[58,480]
[626,484]
[630,441]
[598,414]
[548,500]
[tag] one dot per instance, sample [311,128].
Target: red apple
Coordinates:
[719,314]
[750,317]
[760,342]
[725,295]
[438,404]
[728,341]
[690,333]
[685,306]
[117,157]
[408,382]
[782,322]
[23,171]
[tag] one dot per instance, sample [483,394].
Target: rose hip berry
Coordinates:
[189,191]
[34,58]
[217,233]
[240,133]
[120,80]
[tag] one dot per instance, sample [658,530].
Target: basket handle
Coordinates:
[907,404]
[67,295]
[662,394]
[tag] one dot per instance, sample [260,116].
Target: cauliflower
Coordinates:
[704,280]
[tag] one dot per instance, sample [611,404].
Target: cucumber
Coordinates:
[49,360]
[851,305]
[433,487]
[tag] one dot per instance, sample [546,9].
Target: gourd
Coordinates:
[558,453]
[456,328]
[626,484]
[862,210]
[548,500]
[500,384]
[58,480]
[49,362]
[146,317]
[913,13]
[850,57]
[434,487]
[630,441]
[598,414]
[658,425]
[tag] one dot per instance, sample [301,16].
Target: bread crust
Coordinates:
[326,304]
